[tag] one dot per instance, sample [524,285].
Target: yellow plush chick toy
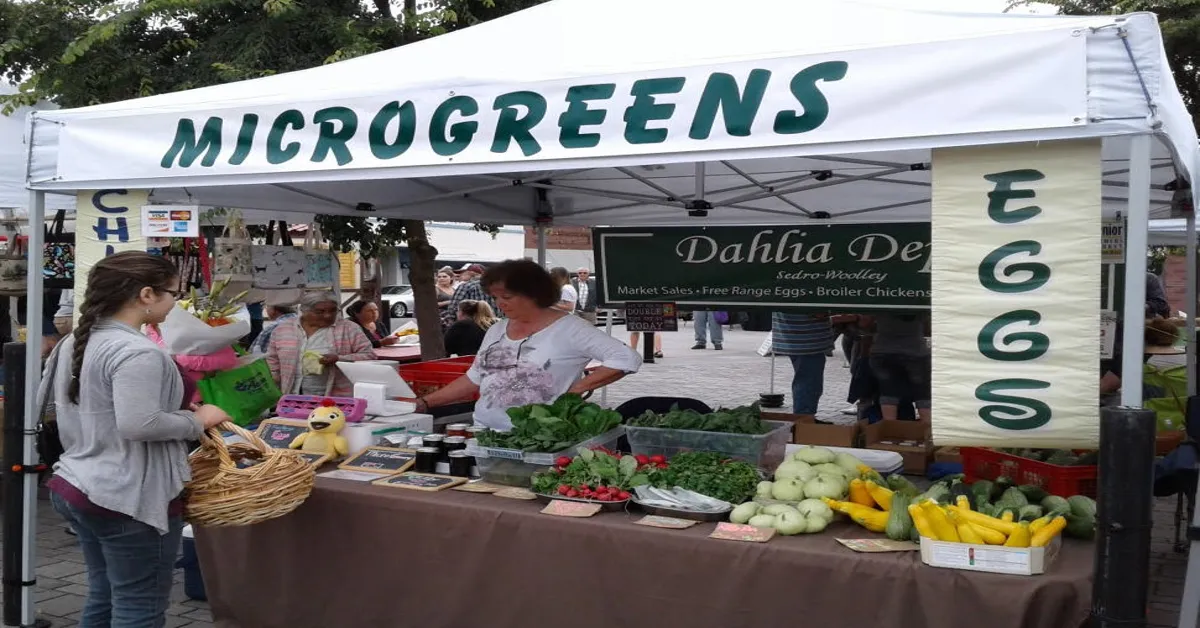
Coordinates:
[324,424]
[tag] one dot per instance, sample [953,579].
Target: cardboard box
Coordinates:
[947,454]
[911,439]
[1021,561]
[807,431]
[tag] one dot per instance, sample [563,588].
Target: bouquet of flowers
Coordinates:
[199,333]
[204,324]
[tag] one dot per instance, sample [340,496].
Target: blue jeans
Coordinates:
[808,382]
[130,567]
[704,320]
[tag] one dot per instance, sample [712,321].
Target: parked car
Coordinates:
[401,298]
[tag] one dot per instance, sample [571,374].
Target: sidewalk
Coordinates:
[734,376]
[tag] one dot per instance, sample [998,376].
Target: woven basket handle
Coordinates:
[211,438]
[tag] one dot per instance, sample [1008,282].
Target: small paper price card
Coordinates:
[671,523]
[478,486]
[560,508]
[515,493]
[736,532]
[872,546]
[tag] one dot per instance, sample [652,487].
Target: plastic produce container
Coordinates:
[513,467]
[988,464]
[426,377]
[765,451]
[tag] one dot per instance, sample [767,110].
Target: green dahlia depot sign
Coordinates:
[819,266]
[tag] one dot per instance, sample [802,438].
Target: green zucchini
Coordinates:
[1028,513]
[1080,527]
[1055,504]
[1034,493]
[1082,506]
[899,522]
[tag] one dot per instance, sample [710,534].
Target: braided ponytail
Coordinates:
[112,283]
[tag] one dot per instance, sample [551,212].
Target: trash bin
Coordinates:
[193,580]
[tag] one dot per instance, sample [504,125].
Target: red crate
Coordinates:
[426,377]
[988,464]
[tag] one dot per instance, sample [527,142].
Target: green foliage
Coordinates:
[743,420]
[550,428]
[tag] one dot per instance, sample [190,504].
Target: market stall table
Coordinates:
[361,555]
[399,354]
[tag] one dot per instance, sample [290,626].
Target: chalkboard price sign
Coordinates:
[651,316]
[279,433]
[421,481]
[315,458]
[380,460]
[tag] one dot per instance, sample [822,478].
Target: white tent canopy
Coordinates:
[14,155]
[856,96]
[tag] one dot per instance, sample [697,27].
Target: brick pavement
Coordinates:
[731,377]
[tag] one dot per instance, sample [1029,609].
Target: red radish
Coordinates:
[562,461]
[623,495]
[642,459]
[657,459]
[572,493]
[563,489]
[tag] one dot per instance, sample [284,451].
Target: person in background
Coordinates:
[900,361]
[120,479]
[706,325]
[1156,305]
[588,301]
[444,289]
[453,274]
[275,314]
[64,316]
[568,299]
[470,289]
[465,336]
[804,339]
[303,351]
[366,315]
[635,338]
[535,354]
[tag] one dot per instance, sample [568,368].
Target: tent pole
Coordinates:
[1189,607]
[700,180]
[541,244]
[33,370]
[1138,218]
[1190,308]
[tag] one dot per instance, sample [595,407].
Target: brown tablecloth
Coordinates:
[376,557]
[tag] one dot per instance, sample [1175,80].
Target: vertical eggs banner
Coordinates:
[1016,295]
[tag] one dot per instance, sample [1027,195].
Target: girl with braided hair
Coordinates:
[119,480]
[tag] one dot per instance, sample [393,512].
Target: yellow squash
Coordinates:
[859,494]
[921,522]
[939,522]
[1019,537]
[1007,515]
[966,533]
[1048,532]
[881,495]
[871,519]
[989,536]
[1039,523]
[1005,527]
[963,502]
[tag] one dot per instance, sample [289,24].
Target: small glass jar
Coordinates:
[460,464]
[457,429]
[427,459]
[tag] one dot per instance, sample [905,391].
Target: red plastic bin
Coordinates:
[426,377]
[988,464]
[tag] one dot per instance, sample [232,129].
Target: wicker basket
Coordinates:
[244,483]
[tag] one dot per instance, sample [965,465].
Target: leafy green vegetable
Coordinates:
[709,474]
[743,420]
[594,468]
[550,428]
